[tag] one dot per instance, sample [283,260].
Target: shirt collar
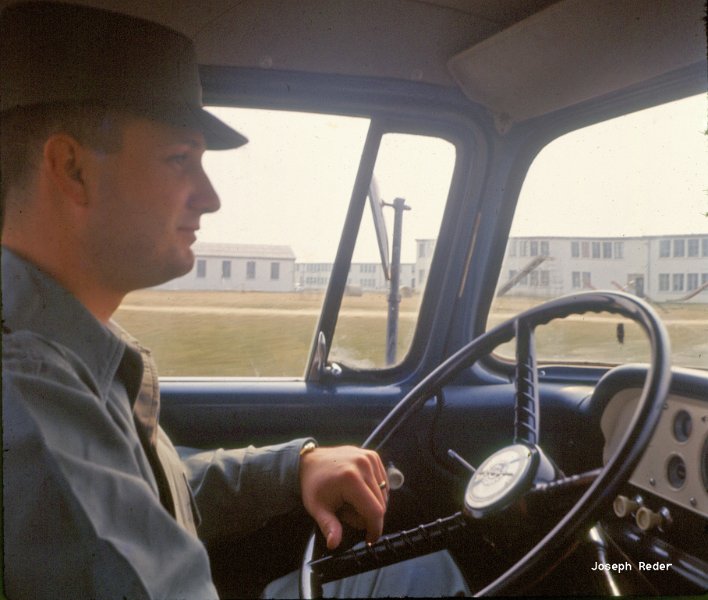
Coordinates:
[34,301]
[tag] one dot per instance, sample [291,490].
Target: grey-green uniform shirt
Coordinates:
[96,499]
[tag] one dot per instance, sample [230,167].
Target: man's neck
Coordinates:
[68,273]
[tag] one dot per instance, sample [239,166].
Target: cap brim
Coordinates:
[217,134]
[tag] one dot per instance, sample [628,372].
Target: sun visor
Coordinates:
[576,50]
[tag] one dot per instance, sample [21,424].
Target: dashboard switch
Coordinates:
[624,506]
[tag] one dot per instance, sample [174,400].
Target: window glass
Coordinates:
[412,176]
[250,306]
[633,190]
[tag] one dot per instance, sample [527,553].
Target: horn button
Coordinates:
[505,476]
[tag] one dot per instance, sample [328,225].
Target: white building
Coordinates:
[239,267]
[367,277]
[424,256]
[662,268]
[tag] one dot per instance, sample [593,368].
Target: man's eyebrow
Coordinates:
[193,141]
[190,141]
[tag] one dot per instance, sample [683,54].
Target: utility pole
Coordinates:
[394,297]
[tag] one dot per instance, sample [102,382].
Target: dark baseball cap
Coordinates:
[55,53]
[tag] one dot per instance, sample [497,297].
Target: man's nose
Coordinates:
[204,198]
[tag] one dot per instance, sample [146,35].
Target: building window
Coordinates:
[513,273]
[587,283]
[585,249]
[679,248]
[677,282]
[534,279]
[226,269]
[523,248]
[575,249]
[691,281]
[545,250]
[693,247]
[606,249]
[576,279]
[619,249]
[421,249]
[664,248]
[545,278]
[201,268]
[704,246]
[663,282]
[275,270]
[533,251]
[251,269]
[596,249]
[704,278]
[421,276]
[512,247]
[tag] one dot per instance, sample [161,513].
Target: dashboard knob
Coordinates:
[395,477]
[647,519]
[624,506]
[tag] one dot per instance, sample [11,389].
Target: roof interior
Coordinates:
[519,58]
[403,39]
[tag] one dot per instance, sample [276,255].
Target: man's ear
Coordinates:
[64,160]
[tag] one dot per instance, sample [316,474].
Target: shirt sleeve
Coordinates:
[238,491]
[80,518]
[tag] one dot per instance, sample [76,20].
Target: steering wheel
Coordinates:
[521,469]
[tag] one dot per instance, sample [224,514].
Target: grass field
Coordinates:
[262,334]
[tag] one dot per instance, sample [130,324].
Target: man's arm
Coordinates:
[238,491]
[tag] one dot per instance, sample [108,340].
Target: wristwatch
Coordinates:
[308,447]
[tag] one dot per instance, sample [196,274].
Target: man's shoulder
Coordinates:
[28,353]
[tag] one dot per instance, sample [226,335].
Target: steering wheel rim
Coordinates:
[617,469]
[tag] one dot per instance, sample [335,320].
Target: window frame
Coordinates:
[251,270]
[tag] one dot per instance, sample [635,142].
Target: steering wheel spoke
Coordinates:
[571,484]
[527,414]
[390,549]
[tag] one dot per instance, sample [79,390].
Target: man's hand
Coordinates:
[344,483]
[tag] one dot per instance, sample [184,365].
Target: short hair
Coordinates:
[24,130]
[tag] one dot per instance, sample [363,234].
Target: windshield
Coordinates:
[621,205]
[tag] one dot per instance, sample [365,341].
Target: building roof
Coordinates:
[619,238]
[266,251]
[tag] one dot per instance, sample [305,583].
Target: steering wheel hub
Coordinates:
[504,477]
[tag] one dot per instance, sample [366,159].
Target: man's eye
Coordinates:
[179,159]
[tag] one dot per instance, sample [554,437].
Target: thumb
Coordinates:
[330,527]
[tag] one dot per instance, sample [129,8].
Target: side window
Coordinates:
[411,183]
[620,205]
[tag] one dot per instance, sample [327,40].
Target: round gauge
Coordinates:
[704,464]
[682,426]
[676,471]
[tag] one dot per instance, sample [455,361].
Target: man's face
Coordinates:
[147,202]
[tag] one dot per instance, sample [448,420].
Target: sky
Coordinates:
[643,174]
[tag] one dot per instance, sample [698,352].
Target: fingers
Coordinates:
[379,483]
[368,503]
[330,527]
[344,483]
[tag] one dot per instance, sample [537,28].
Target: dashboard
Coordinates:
[675,463]
[661,514]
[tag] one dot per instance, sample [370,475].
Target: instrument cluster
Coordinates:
[674,466]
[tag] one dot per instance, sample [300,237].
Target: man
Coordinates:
[102,136]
